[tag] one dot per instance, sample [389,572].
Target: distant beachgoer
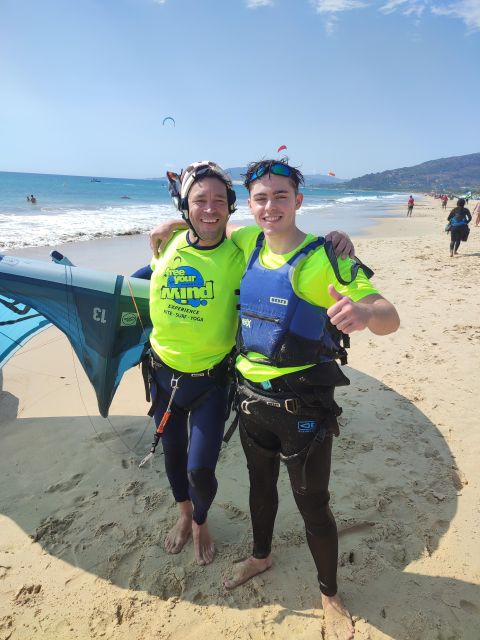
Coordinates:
[458,219]
[28,198]
[477,212]
[33,200]
[411,203]
[444,201]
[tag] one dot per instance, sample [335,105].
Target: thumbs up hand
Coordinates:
[345,314]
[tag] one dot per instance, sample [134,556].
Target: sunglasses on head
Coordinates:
[278,169]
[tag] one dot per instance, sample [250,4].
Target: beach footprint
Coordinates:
[66,485]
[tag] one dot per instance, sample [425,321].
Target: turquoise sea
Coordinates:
[74,208]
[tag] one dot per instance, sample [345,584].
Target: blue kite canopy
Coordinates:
[104,316]
[18,323]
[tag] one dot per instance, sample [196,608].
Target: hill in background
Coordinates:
[457,174]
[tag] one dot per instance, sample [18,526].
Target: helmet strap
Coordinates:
[186,217]
[174,182]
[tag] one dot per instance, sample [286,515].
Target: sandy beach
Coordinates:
[82,527]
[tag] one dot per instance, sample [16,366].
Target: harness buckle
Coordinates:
[174,385]
[244,406]
[292,405]
[154,363]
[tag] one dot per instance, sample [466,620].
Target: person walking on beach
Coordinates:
[295,299]
[477,212]
[410,204]
[458,218]
[193,307]
[444,199]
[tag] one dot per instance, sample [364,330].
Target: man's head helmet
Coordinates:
[180,184]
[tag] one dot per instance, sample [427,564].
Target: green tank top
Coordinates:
[193,305]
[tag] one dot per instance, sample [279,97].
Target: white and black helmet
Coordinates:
[180,184]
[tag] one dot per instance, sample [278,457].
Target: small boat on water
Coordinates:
[95,180]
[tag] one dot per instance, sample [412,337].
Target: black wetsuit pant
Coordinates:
[456,235]
[269,433]
[193,435]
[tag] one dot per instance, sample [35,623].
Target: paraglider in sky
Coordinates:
[283,147]
[331,173]
[168,118]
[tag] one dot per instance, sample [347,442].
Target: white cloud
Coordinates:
[467,10]
[392,6]
[408,7]
[159,1]
[253,4]
[335,6]
[330,8]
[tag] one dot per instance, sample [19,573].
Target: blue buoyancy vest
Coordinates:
[274,321]
[457,221]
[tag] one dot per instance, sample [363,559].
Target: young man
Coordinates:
[193,306]
[295,298]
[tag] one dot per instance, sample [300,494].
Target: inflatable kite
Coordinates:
[104,316]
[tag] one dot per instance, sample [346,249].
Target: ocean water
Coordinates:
[76,208]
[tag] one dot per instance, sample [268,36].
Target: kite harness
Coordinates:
[150,362]
[165,418]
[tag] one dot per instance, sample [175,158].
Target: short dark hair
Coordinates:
[461,202]
[296,176]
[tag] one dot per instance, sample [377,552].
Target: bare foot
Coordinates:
[338,623]
[246,569]
[178,535]
[203,543]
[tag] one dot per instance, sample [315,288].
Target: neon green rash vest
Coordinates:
[193,305]
[310,282]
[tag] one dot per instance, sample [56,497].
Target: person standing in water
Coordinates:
[296,302]
[410,205]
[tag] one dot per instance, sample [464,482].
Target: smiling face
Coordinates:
[274,202]
[208,210]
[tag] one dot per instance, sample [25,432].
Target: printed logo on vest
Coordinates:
[307,426]
[281,301]
[246,322]
[128,319]
[185,285]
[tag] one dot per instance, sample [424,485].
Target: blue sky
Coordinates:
[348,85]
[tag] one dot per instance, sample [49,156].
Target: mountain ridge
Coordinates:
[455,173]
